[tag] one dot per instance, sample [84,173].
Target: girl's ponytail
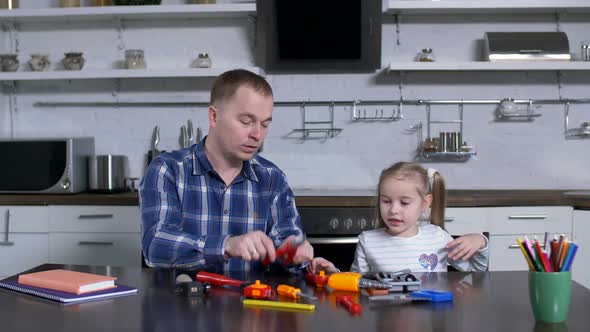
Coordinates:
[439,200]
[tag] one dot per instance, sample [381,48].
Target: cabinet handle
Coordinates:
[527,216]
[96,216]
[333,240]
[6,230]
[516,246]
[449,219]
[95,243]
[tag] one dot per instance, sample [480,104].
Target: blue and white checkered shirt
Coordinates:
[187,212]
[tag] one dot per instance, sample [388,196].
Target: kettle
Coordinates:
[107,173]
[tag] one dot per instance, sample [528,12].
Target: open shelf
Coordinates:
[128,12]
[487,6]
[116,73]
[489,66]
[447,156]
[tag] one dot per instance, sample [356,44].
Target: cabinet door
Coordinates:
[580,268]
[90,219]
[505,255]
[530,219]
[25,244]
[459,221]
[113,249]
[95,235]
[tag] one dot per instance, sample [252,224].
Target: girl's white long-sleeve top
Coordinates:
[379,251]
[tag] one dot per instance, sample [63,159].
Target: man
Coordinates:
[217,205]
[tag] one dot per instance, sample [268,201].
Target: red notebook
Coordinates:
[68,281]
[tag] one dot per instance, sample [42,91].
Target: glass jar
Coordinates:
[134,59]
[430,145]
[8,4]
[69,3]
[9,62]
[73,61]
[39,62]
[202,61]
[203,1]
[426,55]
[99,3]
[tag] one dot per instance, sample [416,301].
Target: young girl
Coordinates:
[401,240]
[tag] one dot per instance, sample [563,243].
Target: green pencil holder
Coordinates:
[550,294]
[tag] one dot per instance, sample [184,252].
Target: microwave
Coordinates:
[45,166]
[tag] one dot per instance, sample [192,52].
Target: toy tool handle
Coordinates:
[349,304]
[218,279]
[288,291]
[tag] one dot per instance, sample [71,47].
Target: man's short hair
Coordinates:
[226,85]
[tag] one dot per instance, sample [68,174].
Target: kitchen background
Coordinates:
[510,155]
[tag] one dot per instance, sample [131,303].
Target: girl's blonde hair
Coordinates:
[406,170]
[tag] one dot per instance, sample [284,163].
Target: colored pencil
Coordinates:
[526,255]
[567,265]
[564,253]
[543,257]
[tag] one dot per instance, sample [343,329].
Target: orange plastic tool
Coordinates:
[259,291]
[353,282]
[292,292]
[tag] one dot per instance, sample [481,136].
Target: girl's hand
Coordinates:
[466,246]
[320,263]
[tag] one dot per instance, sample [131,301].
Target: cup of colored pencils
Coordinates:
[550,276]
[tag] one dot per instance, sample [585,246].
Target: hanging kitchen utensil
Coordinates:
[199,134]
[183,137]
[154,152]
[191,133]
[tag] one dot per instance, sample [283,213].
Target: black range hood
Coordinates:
[312,35]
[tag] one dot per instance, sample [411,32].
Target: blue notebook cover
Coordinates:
[68,298]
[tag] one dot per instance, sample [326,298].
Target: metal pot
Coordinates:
[107,173]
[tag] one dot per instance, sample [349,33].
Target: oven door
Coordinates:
[338,250]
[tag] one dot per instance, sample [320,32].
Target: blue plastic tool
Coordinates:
[433,295]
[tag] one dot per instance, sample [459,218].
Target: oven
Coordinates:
[333,231]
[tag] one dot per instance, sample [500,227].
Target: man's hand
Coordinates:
[466,246]
[252,246]
[304,252]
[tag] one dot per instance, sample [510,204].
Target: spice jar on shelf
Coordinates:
[202,61]
[8,4]
[426,55]
[134,59]
[430,145]
[9,62]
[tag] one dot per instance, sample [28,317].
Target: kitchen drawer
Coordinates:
[460,221]
[90,219]
[505,255]
[24,219]
[95,249]
[25,252]
[530,219]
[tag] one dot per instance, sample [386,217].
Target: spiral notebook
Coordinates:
[68,298]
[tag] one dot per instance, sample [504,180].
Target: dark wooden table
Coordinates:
[492,301]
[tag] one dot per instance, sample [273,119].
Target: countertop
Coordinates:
[483,301]
[306,198]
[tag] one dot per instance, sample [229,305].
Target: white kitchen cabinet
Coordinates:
[508,223]
[530,219]
[23,238]
[95,235]
[581,226]
[459,221]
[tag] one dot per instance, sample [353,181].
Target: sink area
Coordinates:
[578,193]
